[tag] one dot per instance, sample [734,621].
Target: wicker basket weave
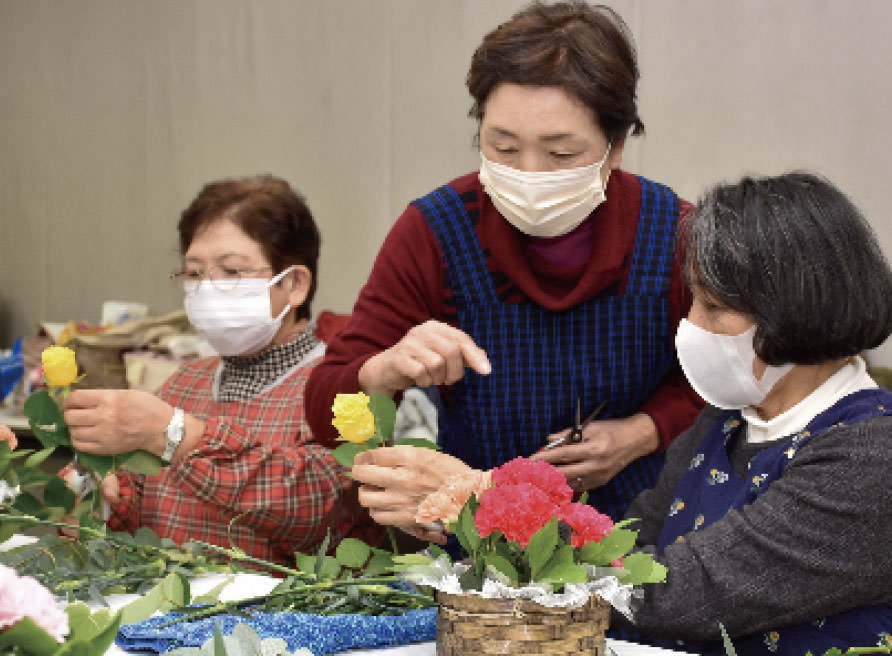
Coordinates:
[468,624]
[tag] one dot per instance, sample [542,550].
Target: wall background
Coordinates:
[113,113]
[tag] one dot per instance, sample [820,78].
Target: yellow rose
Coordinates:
[59,366]
[353,418]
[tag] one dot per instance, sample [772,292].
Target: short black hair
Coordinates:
[795,254]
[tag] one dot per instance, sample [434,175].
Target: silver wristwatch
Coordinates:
[174,434]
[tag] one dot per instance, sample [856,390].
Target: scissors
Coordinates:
[575,434]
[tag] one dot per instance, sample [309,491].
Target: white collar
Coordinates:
[851,377]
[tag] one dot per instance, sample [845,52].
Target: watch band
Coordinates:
[173,435]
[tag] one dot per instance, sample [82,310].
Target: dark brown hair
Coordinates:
[270,212]
[585,50]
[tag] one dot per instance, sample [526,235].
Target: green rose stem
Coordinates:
[309,584]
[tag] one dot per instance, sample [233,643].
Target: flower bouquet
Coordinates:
[542,570]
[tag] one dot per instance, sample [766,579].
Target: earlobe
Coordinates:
[616,154]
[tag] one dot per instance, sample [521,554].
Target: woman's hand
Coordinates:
[607,447]
[396,479]
[109,422]
[433,353]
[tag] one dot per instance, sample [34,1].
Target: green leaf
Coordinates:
[346,452]
[212,596]
[27,504]
[614,545]
[641,568]
[327,568]
[46,420]
[144,607]
[726,640]
[88,627]
[141,462]
[57,493]
[379,564]
[384,410]
[8,529]
[406,561]
[466,530]
[37,459]
[146,536]
[503,565]
[100,464]
[561,569]
[541,547]
[175,588]
[305,562]
[352,553]
[219,646]
[419,442]
[26,633]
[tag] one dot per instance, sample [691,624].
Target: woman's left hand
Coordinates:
[109,422]
[607,447]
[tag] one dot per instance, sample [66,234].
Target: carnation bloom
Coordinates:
[59,366]
[6,435]
[538,473]
[24,596]
[587,523]
[517,510]
[353,418]
[446,503]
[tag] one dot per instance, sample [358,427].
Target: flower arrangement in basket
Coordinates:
[542,570]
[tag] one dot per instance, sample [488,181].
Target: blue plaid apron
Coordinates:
[614,348]
[710,488]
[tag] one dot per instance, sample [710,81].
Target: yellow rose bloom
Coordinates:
[353,418]
[59,366]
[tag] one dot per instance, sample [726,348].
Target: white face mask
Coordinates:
[544,203]
[720,367]
[236,321]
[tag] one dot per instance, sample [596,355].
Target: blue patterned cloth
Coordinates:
[615,347]
[320,634]
[711,487]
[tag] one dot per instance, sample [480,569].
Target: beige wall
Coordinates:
[114,112]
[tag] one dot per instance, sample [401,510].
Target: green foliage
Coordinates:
[91,634]
[244,641]
[384,410]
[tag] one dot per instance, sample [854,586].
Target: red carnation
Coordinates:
[587,523]
[517,510]
[538,473]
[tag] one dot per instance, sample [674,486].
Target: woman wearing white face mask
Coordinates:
[545,280]
[772,511]
[232,427]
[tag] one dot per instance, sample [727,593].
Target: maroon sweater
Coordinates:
[406,288]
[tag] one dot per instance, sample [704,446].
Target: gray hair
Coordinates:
[796,255]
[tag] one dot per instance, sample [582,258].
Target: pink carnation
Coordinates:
[538,473]
[6,435]
[446,503]
[587,523]
[24,596]
[517,510]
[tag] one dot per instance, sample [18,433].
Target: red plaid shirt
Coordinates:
[256,457]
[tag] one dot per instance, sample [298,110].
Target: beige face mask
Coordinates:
[544,203]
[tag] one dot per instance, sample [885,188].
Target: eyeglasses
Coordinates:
[222,278]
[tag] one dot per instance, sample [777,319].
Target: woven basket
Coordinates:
[468,624]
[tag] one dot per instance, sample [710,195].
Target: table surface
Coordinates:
[245,585]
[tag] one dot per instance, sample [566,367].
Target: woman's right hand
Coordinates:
[396,479]
[433,353]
